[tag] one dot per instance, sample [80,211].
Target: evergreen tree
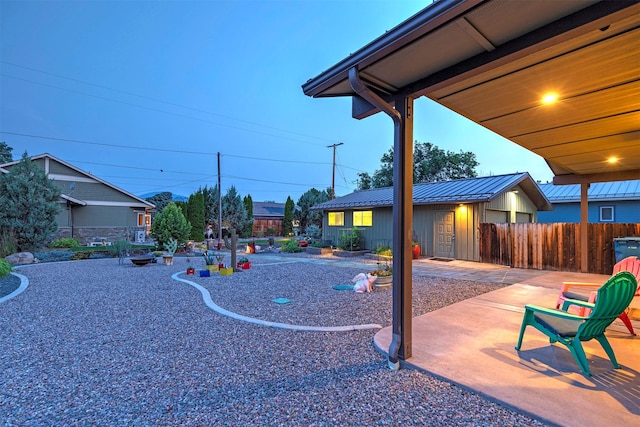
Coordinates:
[287,222]
[210,195]
[170,223]
[160,200]
[309,199]
[30,203]
[234,215]
[248,205]
[196,216]
[5,153]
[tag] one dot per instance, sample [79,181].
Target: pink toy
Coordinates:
[364,282]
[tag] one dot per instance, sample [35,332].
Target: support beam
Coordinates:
[402,116]
[584,227]
[403,228]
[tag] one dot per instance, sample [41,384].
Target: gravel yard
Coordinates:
[97,343]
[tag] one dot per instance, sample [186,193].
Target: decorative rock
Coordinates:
[21,258]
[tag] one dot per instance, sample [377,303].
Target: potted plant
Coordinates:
[244,263]
[209,259]
[170,247]
[191,270]
[415,250]
[219,258]
[384,274]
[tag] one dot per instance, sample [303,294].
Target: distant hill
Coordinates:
[175,197]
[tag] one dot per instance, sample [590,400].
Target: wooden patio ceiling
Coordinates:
[493,61]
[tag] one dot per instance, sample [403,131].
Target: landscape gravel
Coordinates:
[97,343]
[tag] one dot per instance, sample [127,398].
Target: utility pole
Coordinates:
[333,173]
[219,206]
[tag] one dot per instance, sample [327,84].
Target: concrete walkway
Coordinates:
[471,343]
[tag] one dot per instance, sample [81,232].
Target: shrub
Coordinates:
[53,256]
[290,246]
[350,240]
[271,231]
[7,246]
[119,248]
[383,250]
[314,234]
[170,224]
[81,255]
[5,267]
[64,242]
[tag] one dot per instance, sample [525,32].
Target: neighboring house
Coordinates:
[609,202]
[446,215]
[92,210]
[267,215]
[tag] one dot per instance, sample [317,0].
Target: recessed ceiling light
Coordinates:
[549,98]
[612,159]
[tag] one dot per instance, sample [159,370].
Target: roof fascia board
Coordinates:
[596,177]
[430,18]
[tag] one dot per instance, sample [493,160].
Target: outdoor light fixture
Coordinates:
[549,98]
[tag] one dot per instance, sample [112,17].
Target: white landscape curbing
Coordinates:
[24,282]
[206,297]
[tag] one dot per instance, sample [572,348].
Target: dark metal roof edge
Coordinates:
[426,20]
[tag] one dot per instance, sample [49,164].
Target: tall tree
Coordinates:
[30,203]
[5,153]
[287,221]
[364,181]
[430,164]
[234,215]
[210,195]
[309,199]
[195,216]
[248,206]
[170,223]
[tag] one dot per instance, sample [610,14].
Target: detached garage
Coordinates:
[446,215]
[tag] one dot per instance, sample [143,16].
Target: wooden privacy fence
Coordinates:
[553,246]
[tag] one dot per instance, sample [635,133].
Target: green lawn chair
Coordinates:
[570,329]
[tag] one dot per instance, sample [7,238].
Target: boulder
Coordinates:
[20,258]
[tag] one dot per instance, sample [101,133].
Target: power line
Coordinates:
[131,147]
[155,100]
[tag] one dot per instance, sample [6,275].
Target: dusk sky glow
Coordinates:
[144,94]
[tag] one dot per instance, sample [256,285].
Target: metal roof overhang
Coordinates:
[493,60]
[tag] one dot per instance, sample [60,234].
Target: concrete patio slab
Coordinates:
[471,343]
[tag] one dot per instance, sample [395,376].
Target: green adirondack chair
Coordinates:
[570,329]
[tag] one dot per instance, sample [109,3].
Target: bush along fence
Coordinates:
[553,246]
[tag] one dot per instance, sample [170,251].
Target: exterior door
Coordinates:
[445,234]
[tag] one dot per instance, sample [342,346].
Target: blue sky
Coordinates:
[144,94]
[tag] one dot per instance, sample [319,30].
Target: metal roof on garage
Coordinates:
[268,209]
[609,191]
[469,190]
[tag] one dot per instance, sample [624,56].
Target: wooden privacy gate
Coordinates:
[553,246]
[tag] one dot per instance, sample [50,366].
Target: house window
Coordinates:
[362,218]
[606,213]
[140,219]
[336,218]
[147,219]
